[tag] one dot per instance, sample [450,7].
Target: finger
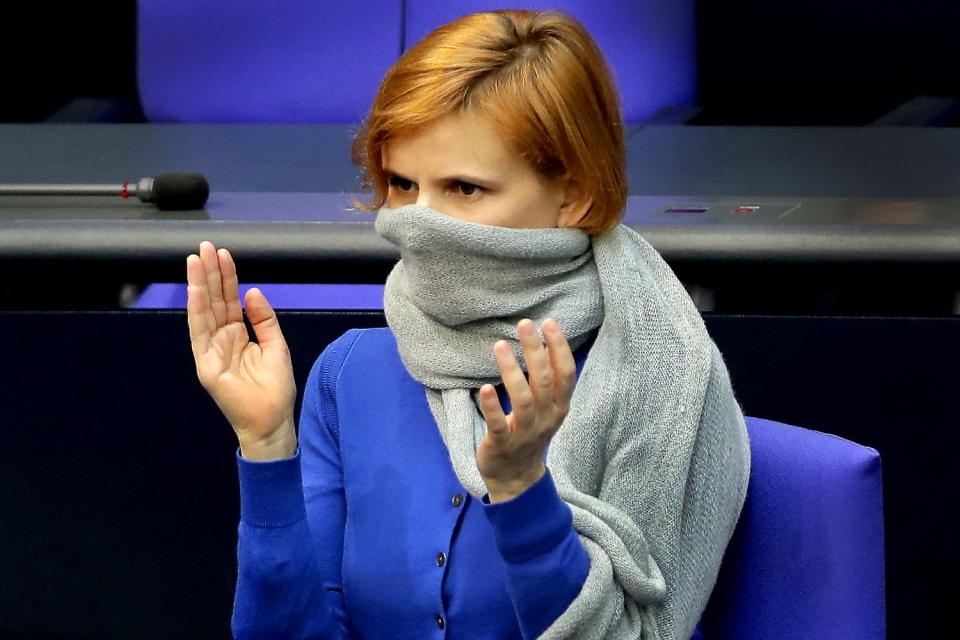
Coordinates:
[493,413]
[516,384]
[211,268]
[231,287]
[264,321]
[538,363]
[199,317]
[562,362]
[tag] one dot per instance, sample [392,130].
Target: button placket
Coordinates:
[442,559]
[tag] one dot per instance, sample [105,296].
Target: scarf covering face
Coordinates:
[652,458]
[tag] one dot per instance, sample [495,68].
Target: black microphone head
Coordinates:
[180,191]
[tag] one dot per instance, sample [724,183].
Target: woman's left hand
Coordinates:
[510,457]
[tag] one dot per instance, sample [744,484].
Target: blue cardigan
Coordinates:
[366,532]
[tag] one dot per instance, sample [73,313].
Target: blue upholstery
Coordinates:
[649,44]
[806,560]
[264,61]
[307,61]
[169,295]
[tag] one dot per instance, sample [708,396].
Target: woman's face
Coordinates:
[462,167]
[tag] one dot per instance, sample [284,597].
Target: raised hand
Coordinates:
[510,457]
[252,383]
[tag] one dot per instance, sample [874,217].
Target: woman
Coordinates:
[544,442]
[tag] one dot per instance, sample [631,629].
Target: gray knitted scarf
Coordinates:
[652,457]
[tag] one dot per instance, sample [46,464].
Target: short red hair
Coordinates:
[540,79]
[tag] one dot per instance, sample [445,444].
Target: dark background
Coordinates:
[54,52]
[823,62]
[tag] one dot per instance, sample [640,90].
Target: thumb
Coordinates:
[263,319]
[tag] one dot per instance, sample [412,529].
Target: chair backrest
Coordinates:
[309,61]
[263,61]
[807,557]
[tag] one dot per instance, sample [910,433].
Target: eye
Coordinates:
[467,189]
[402,184]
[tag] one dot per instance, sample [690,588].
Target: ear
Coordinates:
[576,202]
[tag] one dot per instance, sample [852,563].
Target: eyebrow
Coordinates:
[489,184]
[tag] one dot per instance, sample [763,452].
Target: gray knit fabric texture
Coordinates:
[653,457]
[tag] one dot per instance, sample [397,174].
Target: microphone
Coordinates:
[168,191]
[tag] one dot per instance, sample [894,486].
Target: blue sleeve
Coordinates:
[290,539]
[545,563]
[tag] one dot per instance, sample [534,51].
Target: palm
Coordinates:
[228,345]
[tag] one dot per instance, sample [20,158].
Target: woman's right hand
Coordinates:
[252,383]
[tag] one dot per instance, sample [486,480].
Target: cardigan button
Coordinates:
[441,623]
[457,500]
[441,559]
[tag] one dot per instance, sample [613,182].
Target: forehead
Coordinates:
[456,142]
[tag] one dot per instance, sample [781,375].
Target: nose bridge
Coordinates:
[424,196]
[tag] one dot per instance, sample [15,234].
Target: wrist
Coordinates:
[502,490]
[280,444]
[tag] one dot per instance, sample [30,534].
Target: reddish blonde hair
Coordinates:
[540,79]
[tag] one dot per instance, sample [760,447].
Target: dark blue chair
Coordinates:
[807,558]
[307,61]
[261,61]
